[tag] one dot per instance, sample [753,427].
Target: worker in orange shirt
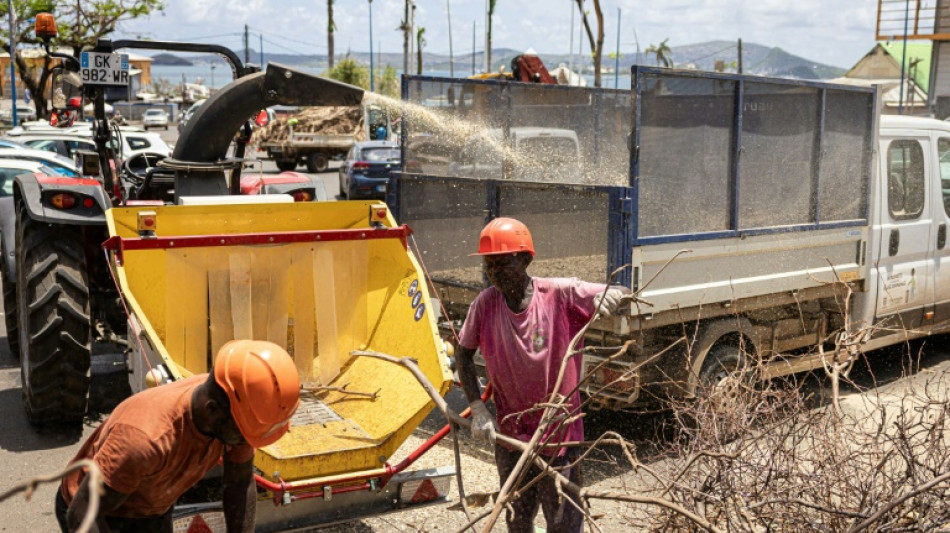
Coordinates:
[158,443]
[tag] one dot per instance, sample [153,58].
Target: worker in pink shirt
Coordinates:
[523,327]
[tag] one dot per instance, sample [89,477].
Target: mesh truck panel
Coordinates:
[517,131]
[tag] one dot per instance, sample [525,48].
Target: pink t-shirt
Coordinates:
[523,351]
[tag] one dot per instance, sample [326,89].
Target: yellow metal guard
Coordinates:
[319,300]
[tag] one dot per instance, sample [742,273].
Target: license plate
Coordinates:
[104,69]
[380,188]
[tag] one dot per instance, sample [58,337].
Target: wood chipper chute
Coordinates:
[320,279]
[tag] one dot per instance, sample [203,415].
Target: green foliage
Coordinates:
[387,82]
[349,71]
[663,53]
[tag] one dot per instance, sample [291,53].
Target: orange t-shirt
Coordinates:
[150,449]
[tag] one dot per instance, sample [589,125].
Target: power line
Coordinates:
[278,45]
[278,36]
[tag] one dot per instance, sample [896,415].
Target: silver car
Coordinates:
[155,118]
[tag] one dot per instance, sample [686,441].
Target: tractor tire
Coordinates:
[54,321]
[10,312]
[286,165]
[317,162]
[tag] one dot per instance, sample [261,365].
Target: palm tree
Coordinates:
[662,52]
[420,41]
[330,33]
[596,47]
[491,11]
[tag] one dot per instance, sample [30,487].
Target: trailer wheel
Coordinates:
[318,162]
[54,321]
[286,165]
[9,311]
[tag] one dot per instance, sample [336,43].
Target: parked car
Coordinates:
[25,112]
[155,118]
[366,170]
[538,154]
[11,168]
[63,144]
[134,141]
[188,113]
[61,164]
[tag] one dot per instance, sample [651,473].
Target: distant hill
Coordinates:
[757,59]
[169,59]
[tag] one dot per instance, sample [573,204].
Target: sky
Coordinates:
[834,32]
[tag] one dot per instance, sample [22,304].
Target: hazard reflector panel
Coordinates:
[207,522]
[424,490]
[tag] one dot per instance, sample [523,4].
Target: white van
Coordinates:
[537,154]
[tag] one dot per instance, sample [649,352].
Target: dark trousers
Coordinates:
[560,517]
[149,524]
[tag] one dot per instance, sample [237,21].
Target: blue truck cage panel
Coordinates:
[517,131]
[684,156]
[569,225]
[713,150]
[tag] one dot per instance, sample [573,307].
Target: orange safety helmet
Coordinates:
[505,236]
[261,382]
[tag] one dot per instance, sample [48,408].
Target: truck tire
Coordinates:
[318,162]
[54,321]
[9,312]
[720,366]
[286,165]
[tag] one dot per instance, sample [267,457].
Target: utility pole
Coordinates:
[372,82]
[473,48]
[487,39]
[247,51]
[740,57]
[405,39]
[261,35]
[570,55]
[617,58]
[448,9]
[12,58]
[412,37]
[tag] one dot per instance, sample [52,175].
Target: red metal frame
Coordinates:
[359,482]
[119,245]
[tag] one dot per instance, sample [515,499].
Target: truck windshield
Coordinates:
[376,155]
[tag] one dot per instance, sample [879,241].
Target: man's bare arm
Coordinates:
[465,362]
[240,496]
[109,501]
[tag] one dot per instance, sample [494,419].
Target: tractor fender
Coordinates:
[8,237]
[36,191]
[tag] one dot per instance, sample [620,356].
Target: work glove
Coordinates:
[483,423]
[607,302]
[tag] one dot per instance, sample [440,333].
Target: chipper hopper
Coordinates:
[320,279]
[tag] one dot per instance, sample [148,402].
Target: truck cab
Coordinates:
[910,271]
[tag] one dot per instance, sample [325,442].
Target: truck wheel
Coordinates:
[318,162]
[54,321]
[9,311]
[723,382]
[286,165]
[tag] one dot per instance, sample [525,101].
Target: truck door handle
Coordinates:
[941,236]
[895,242]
